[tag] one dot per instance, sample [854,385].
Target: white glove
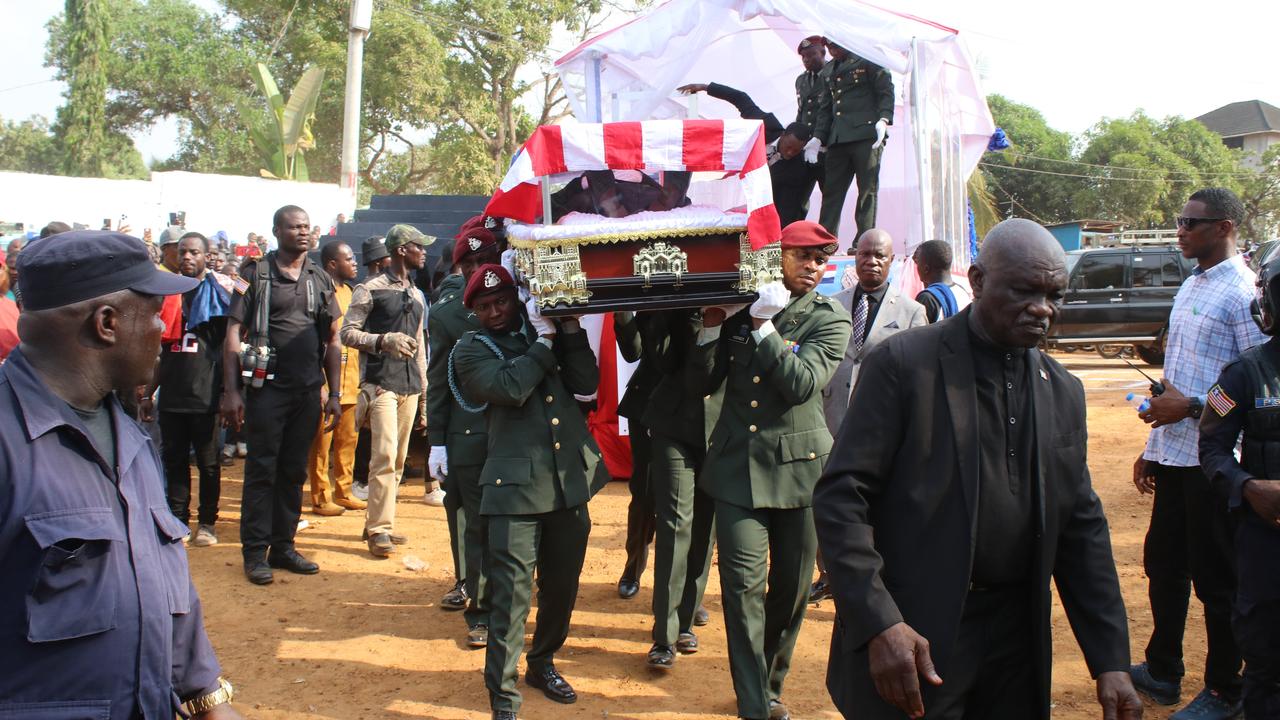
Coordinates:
[882,132]
[773,298]
[811,150]
[540,324]
[438,462]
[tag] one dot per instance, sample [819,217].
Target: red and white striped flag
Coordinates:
[650,145]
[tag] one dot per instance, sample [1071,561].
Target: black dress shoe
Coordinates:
[258,572]
[503,715]
[662,657]
[701,616]
[293,562]
[778,711]
[551,684]
[687,643]
[455,599]
[819,591]
[627,589]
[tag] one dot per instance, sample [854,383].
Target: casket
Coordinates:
[691,256]
[688,257]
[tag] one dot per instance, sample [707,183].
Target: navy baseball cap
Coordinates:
[82,264]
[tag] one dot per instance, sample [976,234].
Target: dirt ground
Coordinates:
[366,638]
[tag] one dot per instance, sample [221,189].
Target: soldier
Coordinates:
[637,344]
[854,116]
[686,515]
[541,468]
[809,90]
[764,369]
[457,436]
[1247,398]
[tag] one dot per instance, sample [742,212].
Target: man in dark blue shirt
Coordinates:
[98,615]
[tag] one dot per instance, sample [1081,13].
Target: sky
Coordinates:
[1076,62]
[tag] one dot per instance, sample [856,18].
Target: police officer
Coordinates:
[764,368]
[685,514]
[1247,399]
[854,114]
[457,435]
[541,468]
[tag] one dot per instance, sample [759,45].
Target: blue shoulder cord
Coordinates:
[453,380]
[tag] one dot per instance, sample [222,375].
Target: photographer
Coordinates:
[286,308]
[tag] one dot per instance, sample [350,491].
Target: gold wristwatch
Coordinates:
[204,703]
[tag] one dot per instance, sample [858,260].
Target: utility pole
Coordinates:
[361,16]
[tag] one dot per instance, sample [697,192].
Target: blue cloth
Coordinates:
[998,141]
[98,615]
[208,300]
[973,232]
[946,299]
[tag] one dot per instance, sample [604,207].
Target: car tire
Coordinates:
[1111,352]
[1153,354]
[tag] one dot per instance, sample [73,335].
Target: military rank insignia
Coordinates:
[1220,401]
[792,346]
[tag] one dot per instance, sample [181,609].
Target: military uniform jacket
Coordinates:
[857,93]
[448,424]
[541,457]
[675,406]
[768,440]
[810,87]
[639,340]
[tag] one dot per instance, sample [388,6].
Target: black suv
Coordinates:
[1121,296]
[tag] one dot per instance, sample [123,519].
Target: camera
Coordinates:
[257,365]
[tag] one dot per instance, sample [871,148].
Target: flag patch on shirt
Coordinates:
[241,285]
[1220,401]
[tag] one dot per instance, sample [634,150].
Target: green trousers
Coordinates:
[468,538]
[555,543]
[759,546]
[682,544]
[640,522]
[845,163]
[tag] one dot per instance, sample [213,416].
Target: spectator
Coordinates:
[285,305]
[101,617]
[1188,541]
[214,260]
[169,238]
[942,296]
[189,377]
[340,219]
[11,268]
[374,255]
[385,321]
[8,313]
[340,263]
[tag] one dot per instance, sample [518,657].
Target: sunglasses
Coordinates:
[1190,222]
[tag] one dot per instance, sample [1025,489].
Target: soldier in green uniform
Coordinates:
[542,468]
[637,344]
[457,436]
[764,368]
[809,90]
[854,114]
[685,514]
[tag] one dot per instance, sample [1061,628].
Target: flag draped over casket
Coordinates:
[730,146]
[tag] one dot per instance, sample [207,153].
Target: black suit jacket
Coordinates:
[791,178]
[896,513]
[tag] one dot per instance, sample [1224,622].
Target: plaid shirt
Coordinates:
[1209,327]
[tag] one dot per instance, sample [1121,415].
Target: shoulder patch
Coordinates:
[1220,401]
[240,285]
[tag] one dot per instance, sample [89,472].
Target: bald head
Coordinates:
[1018,282]
[874,255]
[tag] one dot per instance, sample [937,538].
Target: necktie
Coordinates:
[859,322]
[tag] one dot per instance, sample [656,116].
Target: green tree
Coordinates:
[81,127]
[28,146]
[1260,194]
[1036,151]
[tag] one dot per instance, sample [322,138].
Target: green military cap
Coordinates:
[404,234]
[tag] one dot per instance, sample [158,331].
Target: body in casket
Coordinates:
[692,256]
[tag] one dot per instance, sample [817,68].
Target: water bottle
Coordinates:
[1139,403]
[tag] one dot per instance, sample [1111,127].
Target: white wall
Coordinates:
[237,205]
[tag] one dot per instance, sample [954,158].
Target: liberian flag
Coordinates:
[650,145]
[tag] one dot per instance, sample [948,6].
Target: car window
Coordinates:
[1171,270]
[1099,271]
[1156,270]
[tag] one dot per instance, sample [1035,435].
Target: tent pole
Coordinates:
[921,141]
[595,111]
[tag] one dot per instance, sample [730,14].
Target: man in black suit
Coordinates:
[791,176]
[957,488]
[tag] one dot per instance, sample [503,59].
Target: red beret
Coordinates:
[486,279]
[805,234]
[472,240]
[811,40]
[474,222]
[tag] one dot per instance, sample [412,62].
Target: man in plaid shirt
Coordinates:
[1188,540]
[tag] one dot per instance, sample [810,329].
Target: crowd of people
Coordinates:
[922,456]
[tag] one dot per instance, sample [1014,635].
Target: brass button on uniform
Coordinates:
[756,379]
[557,446]
[755,403]
[555,421]
[550,398]
[813,456]
[498,481]
[752,428]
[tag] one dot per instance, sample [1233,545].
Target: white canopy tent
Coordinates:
[941,122]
